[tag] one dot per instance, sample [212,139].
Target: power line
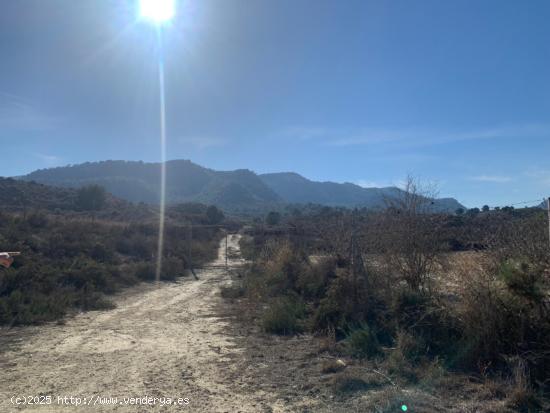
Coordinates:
[528,202]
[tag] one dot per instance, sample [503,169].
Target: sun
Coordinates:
[158,11]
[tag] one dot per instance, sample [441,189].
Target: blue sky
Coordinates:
[454,92]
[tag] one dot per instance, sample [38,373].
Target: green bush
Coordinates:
[362,342]
[145,271]
[523,280]
[102,253]
[172,267]
[214,215]
[32,307]
[344,303]
[313,281]
[327,315]
[37,220]
[91,198]
[273,218]
[283,316]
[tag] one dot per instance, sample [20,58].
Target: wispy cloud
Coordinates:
[400,183]
[541,175]
[49,160]
[370,136]
[16,113]
[369,184]
[203,142]
[413,136]
[306,133]
[492,178]
[416,157]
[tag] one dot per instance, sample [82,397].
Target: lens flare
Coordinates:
[158,11]
[162,119]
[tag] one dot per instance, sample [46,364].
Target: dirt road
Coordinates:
[164,341]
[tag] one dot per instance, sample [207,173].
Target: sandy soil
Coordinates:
[160,341]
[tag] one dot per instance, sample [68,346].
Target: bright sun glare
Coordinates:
[157,10]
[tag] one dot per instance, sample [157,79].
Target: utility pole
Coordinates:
[226,249]
[353,259]
[189,245]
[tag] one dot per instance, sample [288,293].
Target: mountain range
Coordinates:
[240,190]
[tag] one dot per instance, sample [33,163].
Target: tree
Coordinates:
[485,208]
[411,237]
[473,211]
[459,211]
[273,218]
[214,215]
[91,198]
[415,197]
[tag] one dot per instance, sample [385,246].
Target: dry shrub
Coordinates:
[351,381]
[404,356]
[314,281]
[497,318]
[503,315]
[410,236]
[145,271]
[493,388]
[327,341]
[491,310]
[232,291]
[332,366]
[172,267]
[391,399]
[522,396]
[427,318]
[282,266]
[345,303]
[247,247]
[432,374]
[525,239]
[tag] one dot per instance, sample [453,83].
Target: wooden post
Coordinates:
[189,245]
[225,249]
[353,262]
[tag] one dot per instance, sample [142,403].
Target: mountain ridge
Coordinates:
[239,190]
[297,189]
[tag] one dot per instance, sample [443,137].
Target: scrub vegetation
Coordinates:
[76,256]
[432,300]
